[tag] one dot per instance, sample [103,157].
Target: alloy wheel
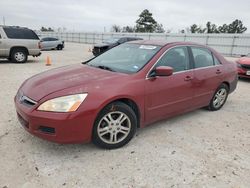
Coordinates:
[220,98]
[114,127]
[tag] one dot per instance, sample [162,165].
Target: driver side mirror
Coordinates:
[163,71]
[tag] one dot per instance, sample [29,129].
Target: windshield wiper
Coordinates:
[106,68]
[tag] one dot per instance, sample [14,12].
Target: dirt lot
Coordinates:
[198,149]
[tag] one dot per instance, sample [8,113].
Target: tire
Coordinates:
[115,126]
[219,98]
[59,47]
[19,55]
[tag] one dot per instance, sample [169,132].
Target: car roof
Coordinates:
[163,43]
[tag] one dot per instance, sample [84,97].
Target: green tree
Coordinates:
[211,28]
[223,28]
[116,28]
[128,29]
[236,27]
[44,29]
[159,28]
[197,29]
[146,23]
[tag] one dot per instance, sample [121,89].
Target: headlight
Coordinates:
[239,65]
[68,103]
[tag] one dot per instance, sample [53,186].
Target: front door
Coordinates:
[171,95]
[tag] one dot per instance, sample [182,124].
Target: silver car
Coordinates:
[49,43]
[17,43]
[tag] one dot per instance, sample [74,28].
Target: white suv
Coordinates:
[17,43]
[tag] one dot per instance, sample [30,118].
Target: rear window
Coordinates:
[20,33]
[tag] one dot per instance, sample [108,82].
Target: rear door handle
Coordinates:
[218,71]
[188,78]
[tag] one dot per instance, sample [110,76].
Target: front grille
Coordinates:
[23,121]
[47,130]
[25,100]
[246,66]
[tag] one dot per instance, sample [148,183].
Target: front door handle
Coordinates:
[188,78]
[218,71]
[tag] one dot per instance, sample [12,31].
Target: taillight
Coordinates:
[39,45]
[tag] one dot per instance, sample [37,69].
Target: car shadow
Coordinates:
[3,61]
[72,149]
[244,80]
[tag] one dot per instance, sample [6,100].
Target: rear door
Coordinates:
[167,96]
[208,75]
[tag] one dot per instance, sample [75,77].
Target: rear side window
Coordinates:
[216,61]
[20,33]
[202,57]
[177,58]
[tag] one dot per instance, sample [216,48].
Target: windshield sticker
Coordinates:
[147,47]
[135,67]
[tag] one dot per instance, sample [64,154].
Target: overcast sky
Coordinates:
[95,15]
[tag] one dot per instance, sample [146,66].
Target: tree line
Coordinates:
[234,27]
[147,24]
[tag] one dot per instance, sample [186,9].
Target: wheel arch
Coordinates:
[227,84]
[128,101]
[18,47]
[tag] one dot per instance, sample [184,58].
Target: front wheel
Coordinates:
[219,98]
[59,47]
[115,126]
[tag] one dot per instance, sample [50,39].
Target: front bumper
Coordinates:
[56,127]
[243,73]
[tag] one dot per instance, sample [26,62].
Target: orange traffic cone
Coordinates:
[48,61]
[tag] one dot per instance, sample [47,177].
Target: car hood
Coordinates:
[67,77]
[102,45]
[244,61]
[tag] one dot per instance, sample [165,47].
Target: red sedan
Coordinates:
[130,86]
[244,66]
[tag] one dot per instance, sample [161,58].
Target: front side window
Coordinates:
[202,57]
[125,58]
[45,39]
[53,39]
[177,58]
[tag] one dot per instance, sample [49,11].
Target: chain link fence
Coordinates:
[227,44]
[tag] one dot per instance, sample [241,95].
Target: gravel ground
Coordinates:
[198,149]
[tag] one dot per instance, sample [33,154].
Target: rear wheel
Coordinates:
[115,126]
[219,98]
[19,55]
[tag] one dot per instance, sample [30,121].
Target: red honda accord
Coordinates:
[244,66]
[105,99]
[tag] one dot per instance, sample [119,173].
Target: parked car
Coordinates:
[50,43]
[111,43]
[17,43]
[244,66]
[107,98]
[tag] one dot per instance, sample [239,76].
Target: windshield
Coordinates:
[126,58]
[111,40]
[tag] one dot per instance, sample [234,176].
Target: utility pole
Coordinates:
[3,20]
